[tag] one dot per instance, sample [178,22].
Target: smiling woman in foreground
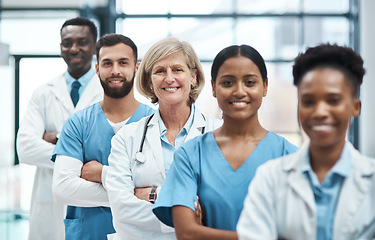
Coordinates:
[171,75]
[218,166]
[327,189]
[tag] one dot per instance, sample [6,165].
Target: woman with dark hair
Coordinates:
[218,166]
[326,190]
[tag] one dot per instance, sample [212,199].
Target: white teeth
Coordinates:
[170,89]
[239,103]
[115,81]
[321,128]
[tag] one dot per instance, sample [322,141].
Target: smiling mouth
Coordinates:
[75,59]
[171,88]
[239,103]
[115,81]
[321,128]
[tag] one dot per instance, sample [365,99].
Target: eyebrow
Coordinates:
[245,76]
[111,60]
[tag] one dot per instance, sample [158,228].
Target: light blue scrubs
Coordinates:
[200,168]
[86,136]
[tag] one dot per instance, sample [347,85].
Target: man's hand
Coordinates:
[142,193]
[92,171]
[50,137]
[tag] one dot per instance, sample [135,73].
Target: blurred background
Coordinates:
[278,29]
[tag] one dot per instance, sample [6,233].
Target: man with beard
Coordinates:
[49,107]
[81,154]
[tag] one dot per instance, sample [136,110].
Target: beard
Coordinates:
[117,92]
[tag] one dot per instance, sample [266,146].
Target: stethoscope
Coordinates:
[139,157]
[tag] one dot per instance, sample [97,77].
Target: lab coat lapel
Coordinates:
[92,91]
[198,124]
[60,90]
[297,182]
[354,188]
[153,139]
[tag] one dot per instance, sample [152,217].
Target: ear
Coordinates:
[97,68]
[357,108]
[194,79]
[137,66]
[213,89]
[265,88]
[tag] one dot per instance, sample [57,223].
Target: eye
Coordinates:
[333,100]
[83,42]
[123,62]
[307,102]
[227,83]
[159,71]
[106,64]
[66,44]
[249,83]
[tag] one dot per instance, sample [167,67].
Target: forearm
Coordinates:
[187,227]
[33,150]
[70,189]
[200,232]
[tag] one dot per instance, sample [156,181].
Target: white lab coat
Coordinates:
[280,203]
[133,218]
[49,107]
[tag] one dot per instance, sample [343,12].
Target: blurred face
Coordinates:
[171,80]
[116,69]
[77,48]
[239,88]
[325,106]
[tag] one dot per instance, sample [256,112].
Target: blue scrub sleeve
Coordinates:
[70,141]
[179,187]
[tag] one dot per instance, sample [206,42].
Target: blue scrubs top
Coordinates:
[86,136]
[200,168]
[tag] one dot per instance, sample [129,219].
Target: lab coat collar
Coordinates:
[60,90]
[198,124]
[355,188]
[153,135]
[357,184]
[299,183]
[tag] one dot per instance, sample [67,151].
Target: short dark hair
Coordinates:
[236,50]
[80,21]
[344,59]
[112,39]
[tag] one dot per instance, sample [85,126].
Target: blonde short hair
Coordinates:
[161,50]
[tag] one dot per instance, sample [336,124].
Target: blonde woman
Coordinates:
[171,76]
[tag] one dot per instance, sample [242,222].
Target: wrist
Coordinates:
[152,195]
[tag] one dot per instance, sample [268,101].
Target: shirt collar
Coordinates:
[187,126]
[84,80]
[342,167]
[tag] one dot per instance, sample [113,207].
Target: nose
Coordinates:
[169,78]
[321,110]
[115,70]
[239,90]
[74,49]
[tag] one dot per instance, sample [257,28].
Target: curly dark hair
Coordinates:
[344,59]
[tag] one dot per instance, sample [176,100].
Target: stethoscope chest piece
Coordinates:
[139,157]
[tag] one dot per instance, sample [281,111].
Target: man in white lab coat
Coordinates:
[50,105]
